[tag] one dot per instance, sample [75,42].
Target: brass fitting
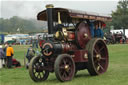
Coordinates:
[64,30]
[86,35]
[86,56]
[59,20]
[57,34]
[49,6]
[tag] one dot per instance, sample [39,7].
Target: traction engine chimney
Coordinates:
[50,18]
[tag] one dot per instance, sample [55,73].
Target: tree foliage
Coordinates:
[24,25]
[120,16]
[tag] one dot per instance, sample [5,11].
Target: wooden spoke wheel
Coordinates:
[64,67]
[97,56]
[36,71]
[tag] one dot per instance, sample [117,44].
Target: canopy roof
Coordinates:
[73,14]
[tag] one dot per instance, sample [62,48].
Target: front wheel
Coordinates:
[64,67]
[36,71]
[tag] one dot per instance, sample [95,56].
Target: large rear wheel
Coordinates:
[64,67]
[97,56]
[36,71]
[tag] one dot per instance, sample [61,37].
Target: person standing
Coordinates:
[9,54]
[97,31]
[92,29]
[30,54]
[2,56]
[4,49]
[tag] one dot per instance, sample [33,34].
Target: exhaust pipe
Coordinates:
[50,18]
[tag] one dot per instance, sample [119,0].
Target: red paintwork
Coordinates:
[40,43]
[79,56]
[81,30]
[68,47]
[71,35]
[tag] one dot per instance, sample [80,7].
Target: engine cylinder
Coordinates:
[50,48]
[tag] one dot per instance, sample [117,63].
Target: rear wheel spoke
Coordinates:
[101,48]
[95,51]
[103,59]
[101,67]
[98,68]
[95,61]
[97,48]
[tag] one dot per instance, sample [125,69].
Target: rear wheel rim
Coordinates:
[100,57]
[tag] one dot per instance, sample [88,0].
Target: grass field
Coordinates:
[117,73]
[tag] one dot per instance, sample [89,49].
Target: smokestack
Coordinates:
[50,18]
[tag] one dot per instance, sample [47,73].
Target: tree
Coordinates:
[120,16]
[25,25]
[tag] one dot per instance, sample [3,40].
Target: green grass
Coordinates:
[117,73]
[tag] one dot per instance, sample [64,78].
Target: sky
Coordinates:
[30,8]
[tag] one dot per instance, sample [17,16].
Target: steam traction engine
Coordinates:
[69,47]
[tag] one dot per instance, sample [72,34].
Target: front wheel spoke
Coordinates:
[34,66]
[38,74]
[64,62]
[41,75]
[34,71]
[62,67]
[64,74]
[69,63]
[70,70]
[67,73]
[43,72]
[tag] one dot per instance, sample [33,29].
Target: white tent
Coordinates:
[121,30]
